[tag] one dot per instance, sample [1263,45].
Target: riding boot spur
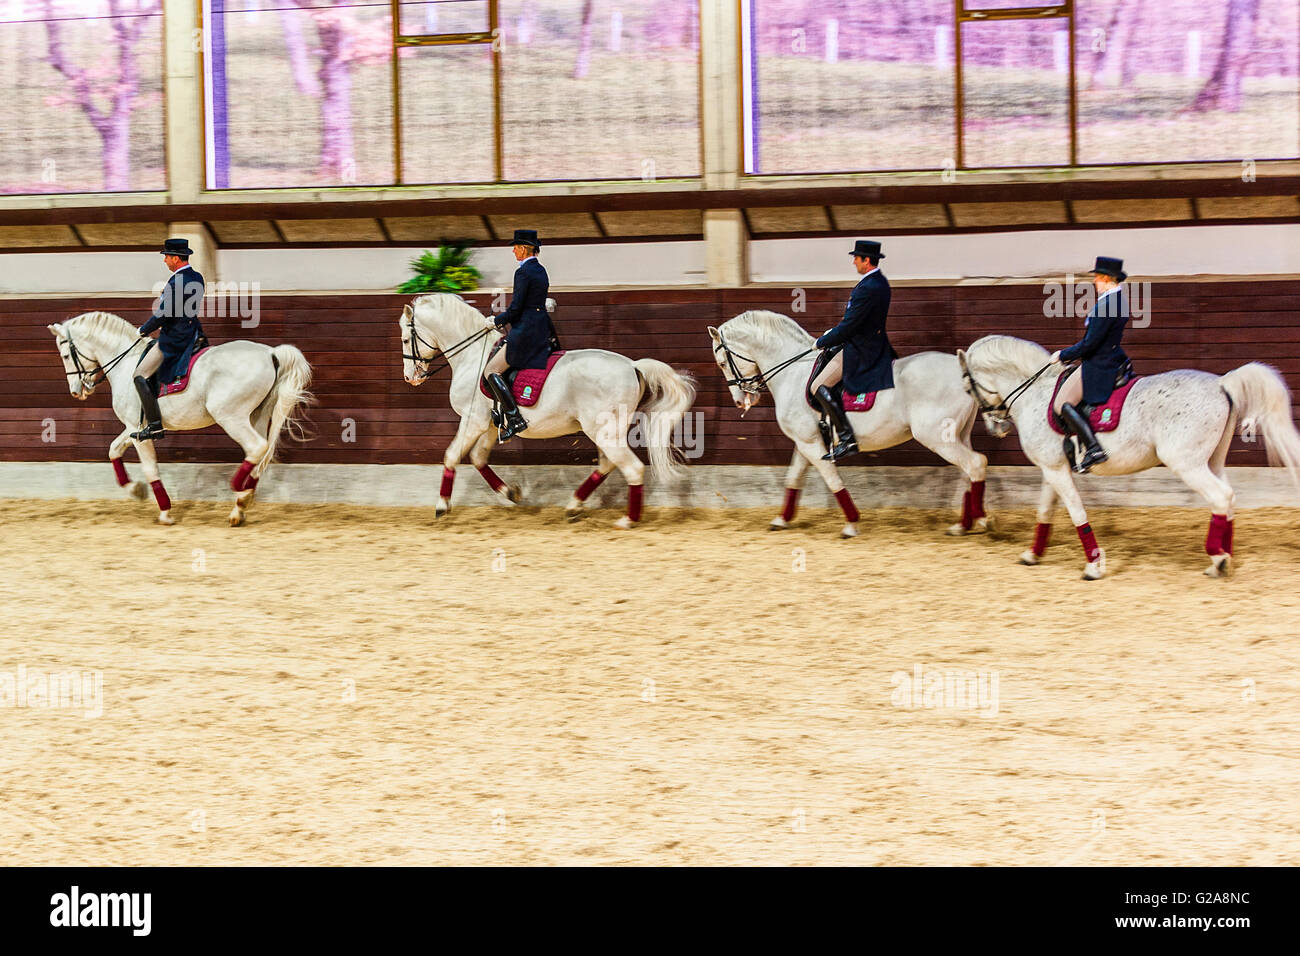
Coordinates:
[846,443]
[1077,422]
[512,422]
[153,417]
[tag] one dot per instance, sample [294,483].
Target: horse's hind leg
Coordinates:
[794,476]
[244,482]
[625,460]
[576,507]
[1219,494]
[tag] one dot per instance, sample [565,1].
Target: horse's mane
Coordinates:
[451,309]
[96,322]
[1006,353]
[762,328]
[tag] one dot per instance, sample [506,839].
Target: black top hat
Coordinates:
[177,247]
[867,249]
[1110,267]
[526,237]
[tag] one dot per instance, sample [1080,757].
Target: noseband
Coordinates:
[101,370]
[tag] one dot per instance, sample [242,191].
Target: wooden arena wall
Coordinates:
[352,343]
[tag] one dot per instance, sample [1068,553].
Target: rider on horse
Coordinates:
[865,361]
[176,313]
[1103,361]
[531,338]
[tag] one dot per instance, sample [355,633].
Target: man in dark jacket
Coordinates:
[865,362]
[176,313]
[1102,359]
[528,343]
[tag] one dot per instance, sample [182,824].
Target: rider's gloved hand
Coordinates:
[1056,356]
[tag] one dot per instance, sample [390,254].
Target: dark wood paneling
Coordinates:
[352,342]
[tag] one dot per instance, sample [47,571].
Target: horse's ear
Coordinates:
[56,330]
[715,334]
[406,311]
[961,357]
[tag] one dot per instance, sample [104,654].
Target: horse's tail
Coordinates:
[1262,398]
[671,394]
[288,394]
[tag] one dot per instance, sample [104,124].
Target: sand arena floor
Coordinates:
[342,685]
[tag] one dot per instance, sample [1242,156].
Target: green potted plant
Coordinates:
[448,271]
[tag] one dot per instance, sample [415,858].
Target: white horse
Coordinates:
[1184,419]
[592,391]
[249,389]
[766,350]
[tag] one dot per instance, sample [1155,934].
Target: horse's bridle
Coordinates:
[420,360]
[100,369]
[756,383]
[1003,407]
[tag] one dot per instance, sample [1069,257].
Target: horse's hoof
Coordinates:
[1221,566]
[575,514]
[850,531]
[510,493]
[236,518]
[625,523]
[983,525]
[138,489]
[165,517]
[1095,570]
[441,508]
[1029,558]
[955,530]
[778,524]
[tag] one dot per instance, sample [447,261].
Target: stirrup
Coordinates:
[1091,456]
[149,433]
[843,448]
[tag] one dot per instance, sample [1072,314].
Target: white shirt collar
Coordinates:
[873,269]
[1109,291]
[522,261]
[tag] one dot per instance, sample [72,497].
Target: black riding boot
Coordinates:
[1078,423]
[846,443]
[153,417]
[512,423]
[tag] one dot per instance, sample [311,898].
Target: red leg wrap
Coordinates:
[119,469]
[977,500]
[1041,533]
[634,501]
[791,504]
[160,495]
[237,483]
[448,479]
[1214,539]
[846,504]
[1089,541]
[1227,537]
[491,477]
[591,484]
[250,483]
[967,518]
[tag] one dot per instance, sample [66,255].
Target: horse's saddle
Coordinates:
[850,401]
[1104,417]
[201,345]
[525,383]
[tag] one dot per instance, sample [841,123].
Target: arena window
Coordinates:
[82,110]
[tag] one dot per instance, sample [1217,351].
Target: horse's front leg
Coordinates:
[1042,530]
[467,433]
[149,463]
[478,456]
[116,449]
[812,450]
[1063,482]
[794,476]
